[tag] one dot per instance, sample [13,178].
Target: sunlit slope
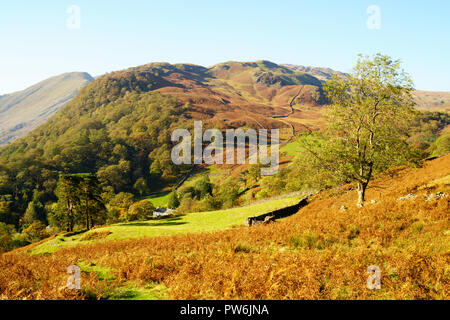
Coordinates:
[22,111]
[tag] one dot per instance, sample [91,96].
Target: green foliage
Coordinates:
[141,187]
[35,212]
[118,207]
[203,187]
[425,129]
[227,193]
[6,211]
[442,145]
[35,232]
[142,210]
[254,172]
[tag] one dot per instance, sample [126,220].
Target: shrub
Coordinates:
[35,232]
[6,236]
[310,241]
[142,210]
[95,235]
[174,201]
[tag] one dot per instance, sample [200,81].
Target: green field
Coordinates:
[160,199]
[182,224]
[130,291]
[291,148]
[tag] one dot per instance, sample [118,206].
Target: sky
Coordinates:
[40,39]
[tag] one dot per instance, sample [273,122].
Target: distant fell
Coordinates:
[433,100]
[22,111]
[426,100]
[323,74]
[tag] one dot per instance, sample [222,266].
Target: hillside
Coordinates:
[119,126]
[433,100]
[23,111]
[320,253]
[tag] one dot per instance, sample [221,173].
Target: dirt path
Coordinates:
[291,106]
[291,112]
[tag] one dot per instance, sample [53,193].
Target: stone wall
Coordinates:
[276,214]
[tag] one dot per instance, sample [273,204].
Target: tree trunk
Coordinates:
[361,194]
[91,221]
[69,216]
[88,227]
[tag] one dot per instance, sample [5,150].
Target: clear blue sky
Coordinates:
[36,44]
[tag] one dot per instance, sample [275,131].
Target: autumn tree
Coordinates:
[141,210]
[368,122]
[254,172]
[141,187]
[35,232]
[203,187]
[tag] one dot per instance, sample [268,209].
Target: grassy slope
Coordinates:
[184,224]
[160,199]
[291,148]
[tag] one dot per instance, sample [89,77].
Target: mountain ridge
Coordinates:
[261,84]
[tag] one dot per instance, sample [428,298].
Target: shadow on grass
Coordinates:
[149,224]
[154,195]
[162,221]
[73,233]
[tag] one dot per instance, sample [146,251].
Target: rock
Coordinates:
[435,196]
[408,197]
[441,195]
[269,219]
